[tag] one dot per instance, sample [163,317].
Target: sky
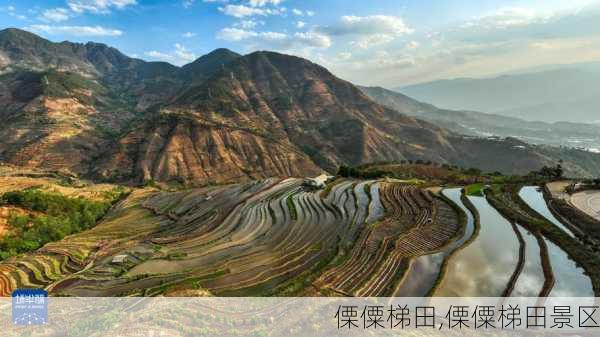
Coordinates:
[391,43]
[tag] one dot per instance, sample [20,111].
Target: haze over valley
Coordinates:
[562,93]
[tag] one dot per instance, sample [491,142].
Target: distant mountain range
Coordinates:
[485,125]
[549,94]
[90,110]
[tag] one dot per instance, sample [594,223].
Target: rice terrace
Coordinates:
[380,236]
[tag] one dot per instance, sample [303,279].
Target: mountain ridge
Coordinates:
[538,95]
[485,124]
[98,113]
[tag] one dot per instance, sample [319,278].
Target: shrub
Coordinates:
[59,216]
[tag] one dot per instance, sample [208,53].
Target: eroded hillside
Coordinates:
[89,110]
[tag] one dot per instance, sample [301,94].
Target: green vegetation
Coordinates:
[292,207]
[67,84]
[474,190]
[50,217]
[346,171]
[547,173]
[428,173]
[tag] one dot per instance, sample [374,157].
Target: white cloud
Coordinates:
[55,15]
[183,54]
[247,24]
[235,34]
[313,39]
[297,12]
[383,60]
[187,3]
[179,56]
[344,56]
[98,6]
[276,40]
[159,56]
[254,8]
[310,13]
[372,40]
[241,11]
[262,3]
[300,24]
[272,36]
[76,30]
[412,45]
[189,34]
[368,31]
[12,12]
[505,17]
[369,25]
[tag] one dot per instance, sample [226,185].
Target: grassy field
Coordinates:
[474,190]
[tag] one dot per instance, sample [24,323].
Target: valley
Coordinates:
[574,135]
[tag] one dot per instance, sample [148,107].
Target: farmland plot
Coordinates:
[267,237]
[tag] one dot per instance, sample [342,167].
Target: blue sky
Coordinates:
[377,42]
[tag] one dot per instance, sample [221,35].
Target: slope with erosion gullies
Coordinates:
[218,119]
[55,120]
[326,117]
[143,83]
[280,106]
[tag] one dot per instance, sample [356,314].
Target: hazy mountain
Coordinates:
[555,94]
[89,109]
[483,124]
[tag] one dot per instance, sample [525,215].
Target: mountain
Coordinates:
[556,94]
[207,65]
[484,125]
[94,112]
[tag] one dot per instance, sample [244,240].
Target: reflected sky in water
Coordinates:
[486,265]
[531,280]
[425,270]
[535,199]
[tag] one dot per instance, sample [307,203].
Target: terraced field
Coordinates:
[568,266]
[269,237]
[275,237]
[417,224]
[588,202]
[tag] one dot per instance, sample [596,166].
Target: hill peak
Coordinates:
[207,65]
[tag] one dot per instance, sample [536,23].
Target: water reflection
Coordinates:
[484,267]
[570,280]
[531,280]
[376,210]
[535,199]
[424,270]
